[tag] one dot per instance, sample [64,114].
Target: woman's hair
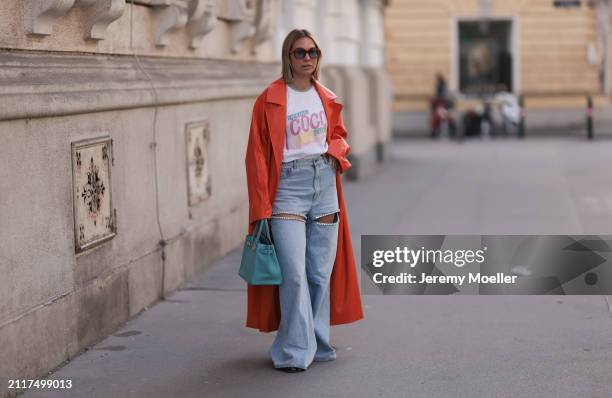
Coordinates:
[291,38]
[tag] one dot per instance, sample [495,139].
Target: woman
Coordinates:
[295,154]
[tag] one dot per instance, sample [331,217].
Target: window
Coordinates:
[485,57]
[566,3]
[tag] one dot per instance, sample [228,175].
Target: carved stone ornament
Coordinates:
[202,20]
[236,10]
[170,16]
[100,14]
[94,219]
[40,15]
[198,173]
[264,24]
[246,18]
[199,16]
[240,15]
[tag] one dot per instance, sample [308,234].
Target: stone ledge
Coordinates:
[44,85]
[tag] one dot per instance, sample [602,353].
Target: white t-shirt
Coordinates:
[306,125]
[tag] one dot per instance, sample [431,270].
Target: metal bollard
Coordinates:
[589,117]
[521,126]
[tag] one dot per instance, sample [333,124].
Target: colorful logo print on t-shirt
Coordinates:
[306,128]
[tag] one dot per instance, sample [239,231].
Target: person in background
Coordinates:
[441,108]
[441,87]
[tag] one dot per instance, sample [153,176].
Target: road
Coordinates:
[194,344]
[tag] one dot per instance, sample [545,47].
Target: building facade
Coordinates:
[123,129]
[553,52]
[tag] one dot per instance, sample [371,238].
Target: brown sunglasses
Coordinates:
[300,53]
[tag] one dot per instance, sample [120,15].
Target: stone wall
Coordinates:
[65,287]
[123,129]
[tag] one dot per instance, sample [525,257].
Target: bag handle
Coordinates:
[267,231]
[263,223]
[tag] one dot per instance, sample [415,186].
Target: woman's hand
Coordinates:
[335,163]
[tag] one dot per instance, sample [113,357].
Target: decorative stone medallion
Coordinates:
[94,219]
[198,172]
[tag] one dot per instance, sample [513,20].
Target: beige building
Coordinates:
[123,128]
[553,52]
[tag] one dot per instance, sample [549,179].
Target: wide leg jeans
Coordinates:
[306,250]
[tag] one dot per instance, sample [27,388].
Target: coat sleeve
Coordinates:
[257,161]
[338,145]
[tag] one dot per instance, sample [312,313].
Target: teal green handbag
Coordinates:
[259,265]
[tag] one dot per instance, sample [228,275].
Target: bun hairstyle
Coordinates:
[291,38]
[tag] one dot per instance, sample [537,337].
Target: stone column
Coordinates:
[348,32]
[372,33]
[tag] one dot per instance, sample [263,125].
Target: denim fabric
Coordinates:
[306,251]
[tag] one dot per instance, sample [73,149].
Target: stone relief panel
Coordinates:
[94,217]
[198,172]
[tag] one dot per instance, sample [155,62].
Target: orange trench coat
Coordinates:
[263,165]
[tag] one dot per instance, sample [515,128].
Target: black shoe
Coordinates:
[291,369]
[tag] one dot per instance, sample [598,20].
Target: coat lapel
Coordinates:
[276,113]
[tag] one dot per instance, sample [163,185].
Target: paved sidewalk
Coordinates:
[195,344]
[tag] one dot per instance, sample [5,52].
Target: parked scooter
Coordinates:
[510,111]
[480,121]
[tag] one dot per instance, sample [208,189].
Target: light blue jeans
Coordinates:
[306,250]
